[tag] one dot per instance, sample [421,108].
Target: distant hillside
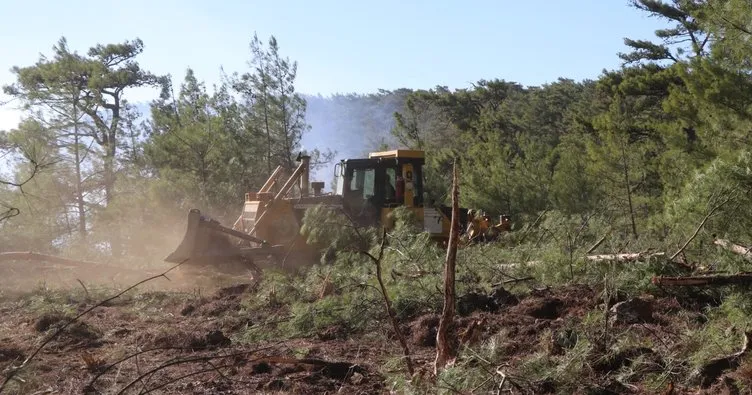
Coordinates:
[352,124]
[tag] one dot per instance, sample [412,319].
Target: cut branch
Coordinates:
[597,244]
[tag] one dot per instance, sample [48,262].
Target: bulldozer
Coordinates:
[368,190]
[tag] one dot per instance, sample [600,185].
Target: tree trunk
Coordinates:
[629,191]
[79,186]
[265,101]
[109,165]
[446,350]
[109,173]
[285,122]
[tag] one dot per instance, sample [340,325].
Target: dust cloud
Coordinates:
[143,242]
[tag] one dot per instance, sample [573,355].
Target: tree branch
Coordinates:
[701,225]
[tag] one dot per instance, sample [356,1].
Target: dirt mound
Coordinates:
[11,353]
[493,302]
[79,333]
[573,300]
[47,320]
[632,311]
[423,330]
[303,375]
[333,332]
[233,290]
[175,338]
[227,299]
[546,308]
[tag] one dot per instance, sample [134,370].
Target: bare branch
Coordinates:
[702,224]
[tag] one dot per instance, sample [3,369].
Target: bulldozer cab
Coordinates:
[385,180]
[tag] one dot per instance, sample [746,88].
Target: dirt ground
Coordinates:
[177,341]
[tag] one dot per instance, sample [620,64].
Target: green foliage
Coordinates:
[273,112]
[719,192]
[197,151]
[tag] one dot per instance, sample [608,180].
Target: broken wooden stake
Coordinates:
[446,350]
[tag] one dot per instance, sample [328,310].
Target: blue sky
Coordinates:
[341,46]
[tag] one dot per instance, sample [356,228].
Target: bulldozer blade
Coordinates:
[202,242]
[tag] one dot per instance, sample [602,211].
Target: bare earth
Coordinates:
[180,341]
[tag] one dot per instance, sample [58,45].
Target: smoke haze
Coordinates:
[350,124]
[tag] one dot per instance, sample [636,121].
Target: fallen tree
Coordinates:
[627,257]
[37,257]
[57,262]
[718,279]
[735,248]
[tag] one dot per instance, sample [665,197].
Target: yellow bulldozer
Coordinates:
[367,190]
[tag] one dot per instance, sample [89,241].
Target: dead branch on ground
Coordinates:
[513,281]
[206,359]
[624,257]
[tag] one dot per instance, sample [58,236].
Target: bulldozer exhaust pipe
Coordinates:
[305,175]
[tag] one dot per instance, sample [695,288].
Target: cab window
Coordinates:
[363,181]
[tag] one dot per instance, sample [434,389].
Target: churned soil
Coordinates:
[171,342]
